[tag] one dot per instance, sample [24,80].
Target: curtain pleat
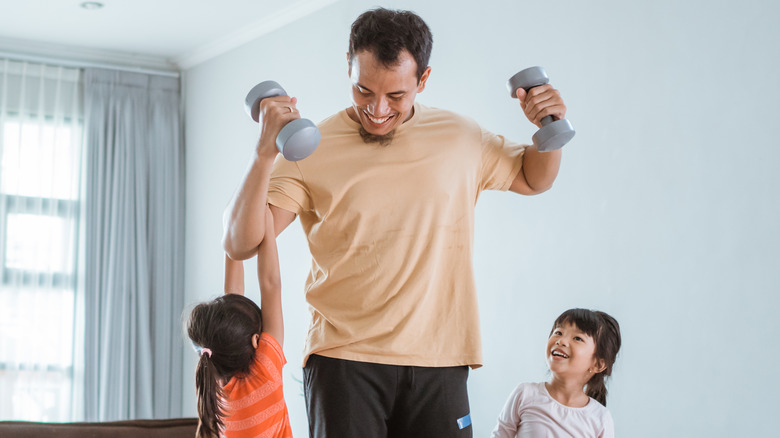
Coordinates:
[134,236]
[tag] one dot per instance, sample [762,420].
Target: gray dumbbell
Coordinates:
[297,139]
[553,133]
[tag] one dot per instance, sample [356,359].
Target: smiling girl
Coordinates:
[581,351]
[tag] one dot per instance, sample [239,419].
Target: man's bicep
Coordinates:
[282,218]
[520,185]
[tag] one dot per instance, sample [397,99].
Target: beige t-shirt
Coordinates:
[390,230]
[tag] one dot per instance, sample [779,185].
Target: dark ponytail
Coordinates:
[221,330]
[605,332]
[596,388]
[210,410]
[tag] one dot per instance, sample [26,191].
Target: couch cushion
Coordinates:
[172,428]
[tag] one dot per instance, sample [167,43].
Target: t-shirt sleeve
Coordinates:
[287,189]
[501,161]
[609,426]
[509,419]
[273,355]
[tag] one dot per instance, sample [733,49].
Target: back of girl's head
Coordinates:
[221,330]
[605,332]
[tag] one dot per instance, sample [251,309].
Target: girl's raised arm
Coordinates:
[234,276]
[270,283]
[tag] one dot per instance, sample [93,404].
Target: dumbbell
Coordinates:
[553,133]
[297,139]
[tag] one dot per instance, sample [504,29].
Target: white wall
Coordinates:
[665,213]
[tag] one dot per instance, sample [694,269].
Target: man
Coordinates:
[387,203]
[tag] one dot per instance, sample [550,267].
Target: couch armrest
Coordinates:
[170,428]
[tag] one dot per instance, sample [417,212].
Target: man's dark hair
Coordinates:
[386,32]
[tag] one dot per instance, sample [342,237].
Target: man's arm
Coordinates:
[234,269]
[270,283]
[244,218]
[539,168]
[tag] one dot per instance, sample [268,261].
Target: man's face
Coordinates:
[383,97]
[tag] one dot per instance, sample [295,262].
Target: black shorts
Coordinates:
[349,399]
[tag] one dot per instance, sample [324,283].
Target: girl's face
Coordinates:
[570,353]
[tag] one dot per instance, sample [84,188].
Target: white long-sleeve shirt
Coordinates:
[531,412]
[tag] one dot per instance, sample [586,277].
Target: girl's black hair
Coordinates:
[605,332]
[386,32]
[224,326]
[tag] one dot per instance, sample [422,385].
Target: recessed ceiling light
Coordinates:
[91,5]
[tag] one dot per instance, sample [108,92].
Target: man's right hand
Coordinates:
[275,112]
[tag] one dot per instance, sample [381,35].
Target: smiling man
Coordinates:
[385,82]
[387,204]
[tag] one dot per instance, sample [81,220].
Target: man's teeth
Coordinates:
[377,121]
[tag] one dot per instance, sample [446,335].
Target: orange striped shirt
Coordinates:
[255,401]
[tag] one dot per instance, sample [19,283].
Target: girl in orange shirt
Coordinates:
[239,374]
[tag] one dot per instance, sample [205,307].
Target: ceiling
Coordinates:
[166,34]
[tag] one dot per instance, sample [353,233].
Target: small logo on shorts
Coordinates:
[464,422]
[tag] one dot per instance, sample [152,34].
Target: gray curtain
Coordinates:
[134,285]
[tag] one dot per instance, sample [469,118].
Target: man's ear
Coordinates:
[423,79]
[255,340]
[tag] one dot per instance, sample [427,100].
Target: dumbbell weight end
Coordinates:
[553,134]
[259,92]
[298,139]
[526,79]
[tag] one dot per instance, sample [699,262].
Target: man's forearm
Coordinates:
[244,218]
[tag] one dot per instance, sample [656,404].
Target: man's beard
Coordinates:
[383,140]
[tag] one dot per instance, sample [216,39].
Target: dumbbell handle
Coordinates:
[533,77]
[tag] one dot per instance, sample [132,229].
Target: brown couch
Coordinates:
[173,428]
